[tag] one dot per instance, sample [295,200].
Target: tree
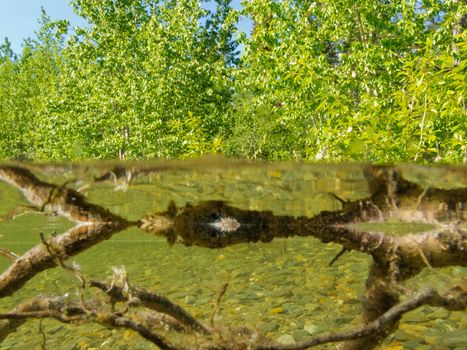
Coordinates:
[145,79]
[429,111]
[324,80]
[26,84]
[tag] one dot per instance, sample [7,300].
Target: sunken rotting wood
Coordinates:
[55,199]
[48,254]
[215,224]
[66,310]
[38,304]
[456,299]
[94,224]
[151,300]
[148,325]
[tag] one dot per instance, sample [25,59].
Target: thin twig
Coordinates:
[43,341]
[38,314]
[338,255]
[72,269]
[8,254]
[112,320]
[123,322]
[427,263]
[221,293]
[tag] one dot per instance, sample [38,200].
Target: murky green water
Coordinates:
[285,288]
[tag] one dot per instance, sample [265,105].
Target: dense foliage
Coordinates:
[376,80]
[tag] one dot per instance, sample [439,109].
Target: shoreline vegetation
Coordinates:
[374,81]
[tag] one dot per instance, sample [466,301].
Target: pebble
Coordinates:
[286,339]
[312,328]
[269,326]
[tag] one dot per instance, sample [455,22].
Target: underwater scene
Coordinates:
[238,255]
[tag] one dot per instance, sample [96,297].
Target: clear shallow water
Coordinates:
[285,288]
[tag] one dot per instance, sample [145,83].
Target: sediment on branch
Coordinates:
[47,255]
[94,224]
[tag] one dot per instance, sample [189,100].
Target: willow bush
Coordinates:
[380,81]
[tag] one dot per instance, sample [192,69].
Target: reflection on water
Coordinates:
[286,288]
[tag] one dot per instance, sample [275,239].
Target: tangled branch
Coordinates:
[456,299]
[215,224]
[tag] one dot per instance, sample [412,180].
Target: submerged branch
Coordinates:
[56,308]
[153,301]
[64,246]
[56,199]
[34,308]
[94,224]
[456,299]
[115,321]
[64,310]
[215,224]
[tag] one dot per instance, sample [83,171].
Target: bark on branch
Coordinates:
[152,301]
[65,311]
[456,299]
[94,224]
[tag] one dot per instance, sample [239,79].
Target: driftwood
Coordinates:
[71,312]
[215,224]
